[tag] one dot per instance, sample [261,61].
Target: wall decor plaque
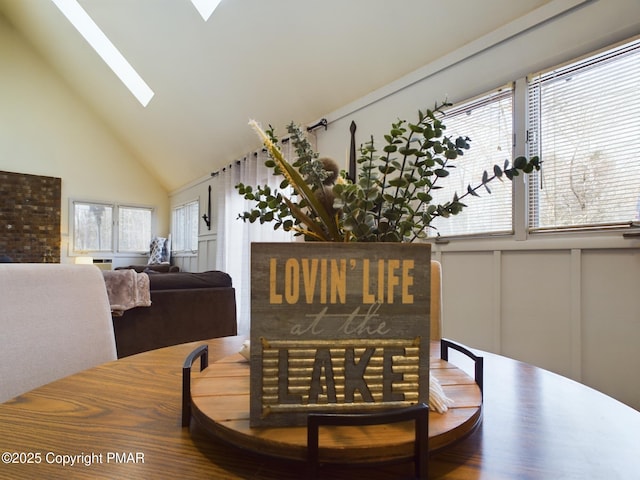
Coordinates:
[337,327]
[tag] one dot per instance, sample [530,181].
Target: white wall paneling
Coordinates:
[207,253]
[187,263]
[610,321]
[575,312]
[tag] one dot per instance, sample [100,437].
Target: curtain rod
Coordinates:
[320,123]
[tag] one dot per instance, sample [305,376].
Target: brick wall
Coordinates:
[29,217]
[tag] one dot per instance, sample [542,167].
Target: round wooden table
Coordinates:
[220,403]
[535,425]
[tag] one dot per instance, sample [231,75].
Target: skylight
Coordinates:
[205,7]
[103,47]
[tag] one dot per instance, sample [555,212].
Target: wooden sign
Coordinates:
[337,327]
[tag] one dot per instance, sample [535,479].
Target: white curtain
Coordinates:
[233,251]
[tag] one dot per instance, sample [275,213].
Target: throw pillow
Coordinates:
[156,250]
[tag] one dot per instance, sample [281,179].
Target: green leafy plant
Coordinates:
[391,198]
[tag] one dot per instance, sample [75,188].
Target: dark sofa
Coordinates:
[185,307]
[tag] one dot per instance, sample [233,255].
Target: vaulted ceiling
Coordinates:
[272,60]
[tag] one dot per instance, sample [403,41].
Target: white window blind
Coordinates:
[95,228]
[92,227]
[134,229]
[185,227]
[488,122]
[191,227]
[584,123]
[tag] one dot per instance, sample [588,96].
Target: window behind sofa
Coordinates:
[184,226]
[110,227]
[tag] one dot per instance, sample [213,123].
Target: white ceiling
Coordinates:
[272,60]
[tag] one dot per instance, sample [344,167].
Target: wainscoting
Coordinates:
[205,259]
[573,311]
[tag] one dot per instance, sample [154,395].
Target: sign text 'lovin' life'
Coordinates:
[337,327]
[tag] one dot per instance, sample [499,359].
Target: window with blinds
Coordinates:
[134,228]
[184,231]
[488,122]
[95,228]
[584,122]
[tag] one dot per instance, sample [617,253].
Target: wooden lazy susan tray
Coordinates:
[220,404]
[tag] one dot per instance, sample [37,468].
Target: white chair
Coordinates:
[55,320]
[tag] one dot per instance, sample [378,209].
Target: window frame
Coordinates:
[563,70]
[505,91]
[115,250]
[174,233]
[520,185]
[151,210]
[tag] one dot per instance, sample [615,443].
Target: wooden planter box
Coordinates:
[337,327]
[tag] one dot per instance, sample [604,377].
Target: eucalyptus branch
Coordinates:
[520,165]
[425,122]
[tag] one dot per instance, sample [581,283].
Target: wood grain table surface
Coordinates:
[123,420]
